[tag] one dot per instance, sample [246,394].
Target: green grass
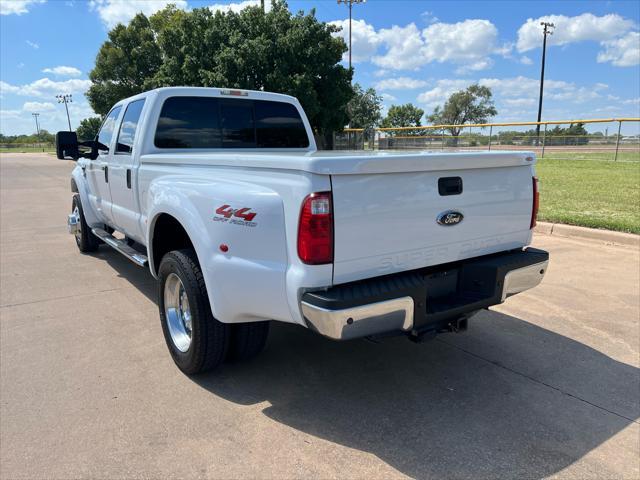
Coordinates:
[601,156]
[590,193]
[27,150]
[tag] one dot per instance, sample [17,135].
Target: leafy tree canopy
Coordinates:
[407,115]
[473,105]
[364,108]
[273,51]
[88,128]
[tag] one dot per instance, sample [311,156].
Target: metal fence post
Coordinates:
[442,145]
[544,138]
[490,132]
[615,159]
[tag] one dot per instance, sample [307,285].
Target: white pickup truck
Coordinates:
[223,195]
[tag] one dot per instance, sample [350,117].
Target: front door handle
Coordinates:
[128,178]
[105,169]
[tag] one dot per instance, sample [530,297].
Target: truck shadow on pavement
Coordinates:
[506,399]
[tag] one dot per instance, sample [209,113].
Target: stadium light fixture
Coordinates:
[66,98]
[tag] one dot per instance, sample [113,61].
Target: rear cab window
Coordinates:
[208,122]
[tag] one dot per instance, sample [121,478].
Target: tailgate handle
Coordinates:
[450,186]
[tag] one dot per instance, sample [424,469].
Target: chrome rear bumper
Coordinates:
[522,279]
[422,300]
[361,321]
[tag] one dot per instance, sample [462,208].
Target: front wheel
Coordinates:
[197,341]
[85,239]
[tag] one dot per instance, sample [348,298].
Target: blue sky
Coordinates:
[410,51]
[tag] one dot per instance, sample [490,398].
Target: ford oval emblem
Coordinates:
[450,218]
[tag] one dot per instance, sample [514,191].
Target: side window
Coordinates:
[236,120]
[106,131]
[188,122]
[128,128]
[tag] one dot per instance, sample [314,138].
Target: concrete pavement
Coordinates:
[546,385]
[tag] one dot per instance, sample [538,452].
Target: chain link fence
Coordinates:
[615,139]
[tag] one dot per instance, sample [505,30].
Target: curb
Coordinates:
[572,231]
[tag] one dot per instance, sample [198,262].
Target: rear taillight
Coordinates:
[315,230]
[536,203]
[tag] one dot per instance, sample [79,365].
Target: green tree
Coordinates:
[125,65]
[406,115]
[88,128]
[364,108]
[473,105]
[273,51]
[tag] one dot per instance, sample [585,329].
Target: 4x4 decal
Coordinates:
[239,216]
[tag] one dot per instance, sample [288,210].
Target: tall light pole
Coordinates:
[350,3]
[66,98]
[35,116]
[547,30]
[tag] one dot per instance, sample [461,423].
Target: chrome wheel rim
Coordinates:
[78,234]
[178,312]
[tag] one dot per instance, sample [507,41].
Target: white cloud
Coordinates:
[403,48]
[572,29]
[474,67]
[514,91]
[63,71]
[468,43]
[621,52]
[237,7]
[364,39]
[429,17]
[632,101]
[38,106]
[46,87]
[17,7]
[400,83]
[387,97]
[113,12]
[33,45]
[525,60]
[443,89]
[520,102]
[19,121]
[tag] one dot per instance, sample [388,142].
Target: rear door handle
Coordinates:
[105,169]
[128,178]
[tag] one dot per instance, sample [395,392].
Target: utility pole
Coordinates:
[547,30]
[66,98]
[350,3]
[35,116]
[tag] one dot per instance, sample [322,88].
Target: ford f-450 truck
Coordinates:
[224,197]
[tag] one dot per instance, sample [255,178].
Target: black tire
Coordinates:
[247,340]
[209,337]
[87,242]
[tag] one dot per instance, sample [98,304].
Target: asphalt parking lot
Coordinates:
[546,385]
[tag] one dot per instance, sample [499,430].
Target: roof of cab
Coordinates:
[210,91]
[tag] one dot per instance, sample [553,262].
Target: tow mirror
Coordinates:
[67,145]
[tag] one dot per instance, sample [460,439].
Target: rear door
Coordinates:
[98,169]
[391,222]
[123,173]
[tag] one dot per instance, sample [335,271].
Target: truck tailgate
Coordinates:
[388,222]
